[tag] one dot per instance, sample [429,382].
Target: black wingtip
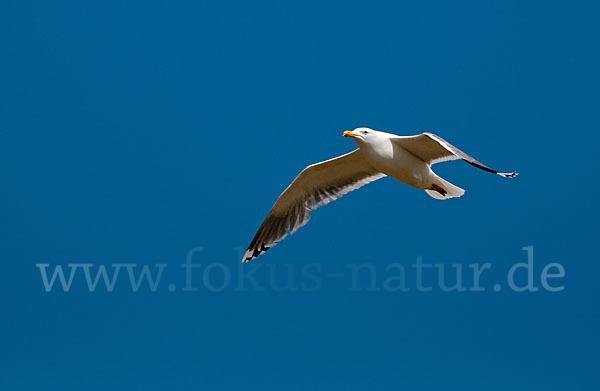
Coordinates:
[252,254]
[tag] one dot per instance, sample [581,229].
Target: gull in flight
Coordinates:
[405,158]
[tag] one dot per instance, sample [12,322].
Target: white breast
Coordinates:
[398,163]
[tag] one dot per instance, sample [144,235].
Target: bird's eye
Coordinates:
[365,132]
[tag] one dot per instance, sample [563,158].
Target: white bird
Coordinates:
[405,158]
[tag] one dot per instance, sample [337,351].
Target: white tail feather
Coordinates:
[452,191]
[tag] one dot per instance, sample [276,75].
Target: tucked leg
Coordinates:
[439,189]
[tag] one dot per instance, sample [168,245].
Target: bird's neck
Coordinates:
[378,148]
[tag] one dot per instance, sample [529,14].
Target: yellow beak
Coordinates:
[348,133]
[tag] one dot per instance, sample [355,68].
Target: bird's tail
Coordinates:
[443,190]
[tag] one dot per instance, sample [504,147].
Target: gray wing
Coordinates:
[317,185]
[433,149]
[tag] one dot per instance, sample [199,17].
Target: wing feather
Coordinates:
[433,149]
[317,185]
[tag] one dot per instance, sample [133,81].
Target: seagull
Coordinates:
[405,158]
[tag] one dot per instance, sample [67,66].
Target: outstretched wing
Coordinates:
[317,185]
[434,149]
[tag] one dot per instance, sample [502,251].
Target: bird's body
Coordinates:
[394,161]
[405,158]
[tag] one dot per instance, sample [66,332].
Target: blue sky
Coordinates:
[132,132]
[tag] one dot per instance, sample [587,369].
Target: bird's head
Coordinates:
[361,135]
